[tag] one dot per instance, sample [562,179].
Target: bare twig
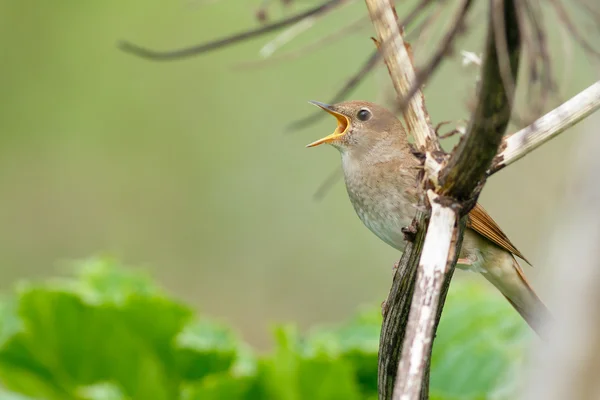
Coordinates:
[444,48]
[324,41]
[295,30]
[538,54]
[567,56]
[227,41]
[429,24]
[563,15]
[519,144]
[332,178]
[368,66]
[287,36]
[350,85]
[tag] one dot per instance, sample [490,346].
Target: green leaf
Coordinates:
[278,374]
[4,395]
[480,341]
[10,323]
[301,371]
[205,348]
[327,378]
[113,334]
[103,280]
[102,391]
[79,333]
[357,343]
[218,387]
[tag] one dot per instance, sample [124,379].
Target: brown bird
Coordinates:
[380,173]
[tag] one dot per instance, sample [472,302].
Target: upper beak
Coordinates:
[342,126]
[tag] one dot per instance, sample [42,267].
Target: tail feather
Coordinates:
[513,284]
[535,319]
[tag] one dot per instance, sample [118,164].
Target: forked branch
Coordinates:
[442,240]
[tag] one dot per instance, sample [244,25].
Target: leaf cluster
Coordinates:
[109,333]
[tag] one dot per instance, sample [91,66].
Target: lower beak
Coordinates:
[341,129]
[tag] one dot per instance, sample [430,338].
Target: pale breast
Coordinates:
[384,199]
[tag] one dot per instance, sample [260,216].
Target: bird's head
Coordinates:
[362,127]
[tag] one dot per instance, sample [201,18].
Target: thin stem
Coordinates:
[444,48]
[171,55]
[521,143]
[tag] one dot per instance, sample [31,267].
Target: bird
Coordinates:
[380,171]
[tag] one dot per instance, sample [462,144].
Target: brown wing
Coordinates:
[481,222]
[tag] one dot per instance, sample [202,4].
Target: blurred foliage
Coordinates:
[188,168]
[184,167]
[110,333]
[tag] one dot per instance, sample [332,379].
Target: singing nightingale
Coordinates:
[380,172]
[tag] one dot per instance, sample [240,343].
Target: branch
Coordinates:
[396,310]
[467,165]
[435,267]
[398,59]
[415,329]
[517,145]
[397,307]
[171,55]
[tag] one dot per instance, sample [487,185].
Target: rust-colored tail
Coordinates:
[511,282]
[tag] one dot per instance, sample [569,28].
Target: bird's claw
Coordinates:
[410,232]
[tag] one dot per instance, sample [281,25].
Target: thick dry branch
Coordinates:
[467,166]
[396,309]
[435,267]
[517,145]
[226,41]
[439,252]
[396,312]
[398,59]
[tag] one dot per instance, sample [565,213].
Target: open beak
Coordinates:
[342,127]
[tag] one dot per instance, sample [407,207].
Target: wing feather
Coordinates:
[481,222]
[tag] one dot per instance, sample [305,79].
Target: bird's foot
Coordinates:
[410,232]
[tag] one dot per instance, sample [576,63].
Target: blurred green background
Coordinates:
[186,168]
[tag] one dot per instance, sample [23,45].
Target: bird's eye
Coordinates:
[364,114]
